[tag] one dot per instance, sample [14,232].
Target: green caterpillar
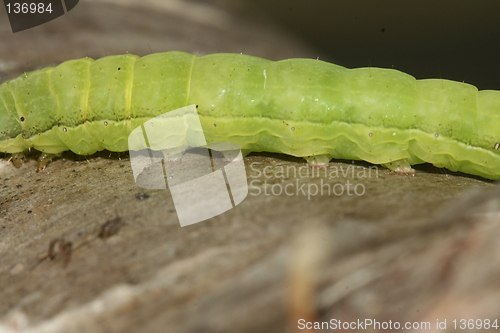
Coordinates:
[300,107]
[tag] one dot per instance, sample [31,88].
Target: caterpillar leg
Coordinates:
[227,150]
[17,159]
[173,155]
[245,152]
[231,155]
[400,166]
[318,160]
[45,160]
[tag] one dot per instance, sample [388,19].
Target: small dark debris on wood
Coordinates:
[110,228]
[141,196]
[60,249]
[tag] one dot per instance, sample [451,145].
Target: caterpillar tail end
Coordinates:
[401,167]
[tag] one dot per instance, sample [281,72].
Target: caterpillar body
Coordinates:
[301,107]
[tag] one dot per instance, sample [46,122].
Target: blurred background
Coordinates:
[452,39]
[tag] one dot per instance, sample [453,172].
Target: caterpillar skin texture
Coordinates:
[300,107]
